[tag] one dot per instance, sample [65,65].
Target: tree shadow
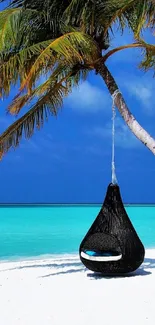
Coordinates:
[76,267]
[48,265]
[70,271]
[59,268]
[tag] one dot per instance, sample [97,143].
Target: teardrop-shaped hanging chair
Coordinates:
[112,246]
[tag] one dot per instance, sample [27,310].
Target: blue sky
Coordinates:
[69,160]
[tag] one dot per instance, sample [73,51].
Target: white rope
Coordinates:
[114,95]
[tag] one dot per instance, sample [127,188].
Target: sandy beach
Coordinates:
[56,290]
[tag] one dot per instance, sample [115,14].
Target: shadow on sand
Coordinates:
[142,271]
[76,267]
[149,263]
[64,272]
[46,265]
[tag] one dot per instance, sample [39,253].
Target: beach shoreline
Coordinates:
[59,289]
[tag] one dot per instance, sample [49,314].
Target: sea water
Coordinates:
[32,231]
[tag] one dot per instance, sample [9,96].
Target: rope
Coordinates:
[114,95]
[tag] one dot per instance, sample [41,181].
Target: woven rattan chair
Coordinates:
[112,245]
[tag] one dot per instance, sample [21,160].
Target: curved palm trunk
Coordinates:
[130,120]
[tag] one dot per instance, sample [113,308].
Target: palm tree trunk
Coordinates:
[130,120]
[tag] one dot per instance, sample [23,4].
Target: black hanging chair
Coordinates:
[112,245]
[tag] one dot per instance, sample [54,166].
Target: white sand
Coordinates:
[58,291]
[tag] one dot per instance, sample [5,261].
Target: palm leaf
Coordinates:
[72,47]
[47,105]
[17,65]
[20,28]
[146,48]
[139,15]
[15,3]
[117,16]
[8,19]
[63,74]
[148,61]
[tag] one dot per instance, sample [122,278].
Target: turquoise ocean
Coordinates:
[34,231]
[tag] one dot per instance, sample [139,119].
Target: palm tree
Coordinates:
[63,41]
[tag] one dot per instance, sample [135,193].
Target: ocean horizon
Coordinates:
[69,204]
[33,230]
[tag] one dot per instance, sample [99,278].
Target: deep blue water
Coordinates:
[27,231]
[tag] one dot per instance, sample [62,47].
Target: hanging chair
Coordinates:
[112,246]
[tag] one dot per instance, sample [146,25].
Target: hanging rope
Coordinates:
[114,95]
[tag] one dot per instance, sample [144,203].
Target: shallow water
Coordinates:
[28,231]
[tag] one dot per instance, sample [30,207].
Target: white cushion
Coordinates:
[101,258]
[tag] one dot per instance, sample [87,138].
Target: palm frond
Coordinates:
[18,103]
[117,15]
[139,15]
[18,65]
[65,75]
[70,48]
[132,14]
[34,118]
[52,94]
[140,44]
[147,51]
[8,19]
[14,3]
[148,61]
[17,28]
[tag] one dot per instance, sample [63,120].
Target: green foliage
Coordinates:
[71,48]
[45,106]
[61,75]
[62,40]
[51,94]
[148,61]
[17,28]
